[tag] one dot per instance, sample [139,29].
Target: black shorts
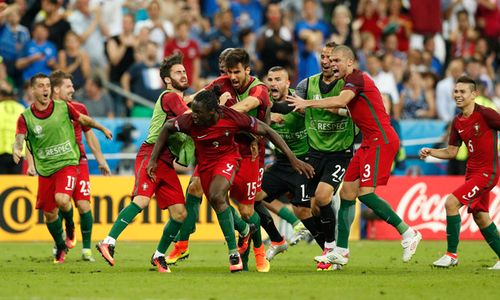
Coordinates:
[281,178]
[329,168]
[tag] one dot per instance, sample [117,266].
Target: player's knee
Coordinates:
[452,205]
[83,206]
[178,213]
[195,188]
[62,200]
[347,194]
[51,216]
[217,200]
[246,212]
[482,219]
[141,201]
[302,212]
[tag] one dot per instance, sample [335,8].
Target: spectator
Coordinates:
[368,47]
[398,23]
[274,42]
[368,20]
[142,79]
[99,104]
[384,81]
[445,103]
[220,38]
[476,69]
[251,15]
[113,11]
[10,110]
[462,38]
[74,60]
[38,55]
[27,98]
[433,63]
[415,102]
[488,21]
[6,83]
[91,28]
[55,22]
[159,29]
[426,18]
[341,31]
[13,37]
[120,52]
[188,48]
[450,9]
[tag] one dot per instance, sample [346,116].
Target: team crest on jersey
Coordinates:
[38,131]
[317,97]
[144,186]
[226,133]
[215,144]
[476,129]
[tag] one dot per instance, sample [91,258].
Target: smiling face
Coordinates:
[66,90]
[278,84]
[464,95]
[326,64]
[41,90]
[238,76]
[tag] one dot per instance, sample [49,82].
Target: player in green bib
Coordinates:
[331,138]
[47,127]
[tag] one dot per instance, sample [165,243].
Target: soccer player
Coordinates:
[62,89]
[331,139]
[213,128]
[47,127]
[477,126]
[372,163]
[166,186]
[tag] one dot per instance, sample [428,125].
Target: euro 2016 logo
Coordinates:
[16,210]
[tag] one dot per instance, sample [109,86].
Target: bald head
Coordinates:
[345,51]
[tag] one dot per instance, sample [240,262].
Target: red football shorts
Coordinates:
[226,168]
[61,182]
[372,164]
[475,192]
[82,188]
[167,187]
[244,187]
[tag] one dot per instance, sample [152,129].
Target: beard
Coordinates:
[179,86]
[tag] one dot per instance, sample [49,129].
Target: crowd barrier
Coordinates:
[20,221]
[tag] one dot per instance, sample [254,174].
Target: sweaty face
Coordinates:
[238,76]
[463,95]
[67,90]
[41,90]
[278,84]
[201,116]
[178,78]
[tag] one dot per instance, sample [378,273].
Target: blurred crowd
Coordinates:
[413,49]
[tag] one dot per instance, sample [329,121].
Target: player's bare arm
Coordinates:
[339,101]
[17,150]
[89,122]
[31,171]
[161,142]
[442,153]
[301,167]
[246,104]
[95,147]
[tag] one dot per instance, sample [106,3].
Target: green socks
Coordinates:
[227,226]
[288,216]
[67,216]
[56,230]
[490,234]
[256,236]
[453,224]
[239,224]
[346,216]
[126,216]
[86,223]
[169,232]
[382,209]
[189,225]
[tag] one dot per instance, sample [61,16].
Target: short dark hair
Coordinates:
[168,63]
[236,57]
[97,80]
[331,44]
[223,54]
[277,69]
[57,77]
[208,99]
[35,77]
[468,80]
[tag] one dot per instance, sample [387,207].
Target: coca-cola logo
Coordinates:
[423,210]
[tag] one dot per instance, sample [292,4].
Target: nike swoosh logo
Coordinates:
[201,136]
[460,131]
[365,179]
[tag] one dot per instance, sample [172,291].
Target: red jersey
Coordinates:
[260,92]
[42,114]
[79,128]
[190,52]
[218,141]
[172,105]
[367,109]
[479,132]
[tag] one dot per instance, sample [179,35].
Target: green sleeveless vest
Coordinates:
[327,132]
[52,140]
[244,95]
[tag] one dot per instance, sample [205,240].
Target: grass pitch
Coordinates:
[374,272]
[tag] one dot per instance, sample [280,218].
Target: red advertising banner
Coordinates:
[420,202]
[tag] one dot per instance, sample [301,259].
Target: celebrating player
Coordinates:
[477,126]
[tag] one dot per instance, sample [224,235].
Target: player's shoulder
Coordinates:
[79,106]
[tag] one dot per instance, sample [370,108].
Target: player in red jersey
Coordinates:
[371,164]
[477,126]
[213,129]
[62,89]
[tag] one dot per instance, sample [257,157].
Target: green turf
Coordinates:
[375,271]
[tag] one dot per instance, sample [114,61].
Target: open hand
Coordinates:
[297,102]
[151,169]
[303,168]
